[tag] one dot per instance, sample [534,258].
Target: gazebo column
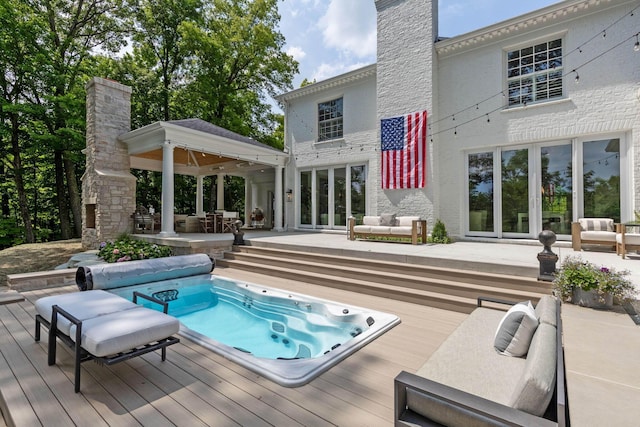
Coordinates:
[167,191]
[199,195]
[277,223]
[220,192]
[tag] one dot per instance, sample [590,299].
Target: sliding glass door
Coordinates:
[542,187]
[338,192]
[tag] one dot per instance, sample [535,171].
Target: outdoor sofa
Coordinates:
[467,382]
[389,225]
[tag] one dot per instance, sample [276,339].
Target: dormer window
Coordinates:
[534,73]
[330,120]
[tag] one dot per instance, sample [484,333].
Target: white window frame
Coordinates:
[334,123]
[540,62]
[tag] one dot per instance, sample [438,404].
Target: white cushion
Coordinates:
[371,220]
[82,305]
[629,238]
[362,228]
[406,220]
[124,330]
[600,236]
[516,329]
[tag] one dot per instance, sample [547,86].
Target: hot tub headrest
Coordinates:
[119,274]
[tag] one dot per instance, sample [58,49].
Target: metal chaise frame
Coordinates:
[82,355]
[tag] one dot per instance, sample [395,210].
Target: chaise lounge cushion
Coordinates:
[125,331]
[82,306]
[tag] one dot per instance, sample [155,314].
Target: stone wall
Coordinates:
[108,187]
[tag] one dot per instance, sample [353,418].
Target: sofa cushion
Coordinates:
[371,220]
[82,305]
[118,332]
[454,365]
[406,221]
[596,224]
[546,310]
[388,219]
[515,330]
[537,383]
[629,238]
[600,236]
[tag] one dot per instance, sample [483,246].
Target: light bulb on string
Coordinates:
[577,78]
[488,119]
[636,46]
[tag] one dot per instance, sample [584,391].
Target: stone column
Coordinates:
[167,191]
[108,187]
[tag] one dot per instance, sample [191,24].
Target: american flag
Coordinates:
[404,151]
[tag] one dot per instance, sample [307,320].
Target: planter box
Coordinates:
[591,299]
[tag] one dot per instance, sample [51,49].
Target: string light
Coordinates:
[577,76]
[636,46]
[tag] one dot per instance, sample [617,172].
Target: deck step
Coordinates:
[451,289]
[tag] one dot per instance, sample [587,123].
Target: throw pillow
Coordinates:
[516,330]
[388,219]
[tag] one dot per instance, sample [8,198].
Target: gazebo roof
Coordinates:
[200,148]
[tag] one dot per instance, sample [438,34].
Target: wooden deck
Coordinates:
[197,387]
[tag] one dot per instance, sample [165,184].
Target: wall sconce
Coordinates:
[289,195]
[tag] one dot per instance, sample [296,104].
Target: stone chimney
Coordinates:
[108,187]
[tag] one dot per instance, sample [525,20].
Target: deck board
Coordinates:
[195,386]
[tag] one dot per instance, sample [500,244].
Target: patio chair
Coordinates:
[104,327]
[228,219]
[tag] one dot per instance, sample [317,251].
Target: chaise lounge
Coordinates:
[104,327]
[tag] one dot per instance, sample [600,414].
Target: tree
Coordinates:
[158,41]
[74,30]
[236,60]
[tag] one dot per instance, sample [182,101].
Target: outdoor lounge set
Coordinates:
[107,328]
[494,369]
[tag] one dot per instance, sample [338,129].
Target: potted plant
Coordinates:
[587,285]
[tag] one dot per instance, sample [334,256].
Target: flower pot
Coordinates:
[591,299]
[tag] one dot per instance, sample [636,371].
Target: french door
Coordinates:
[329,195]
[516,192]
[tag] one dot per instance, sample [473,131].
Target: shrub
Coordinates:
[127,249]
[439,233]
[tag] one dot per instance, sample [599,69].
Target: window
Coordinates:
[534,73]
[330,120]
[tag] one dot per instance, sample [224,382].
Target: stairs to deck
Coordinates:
[453,287]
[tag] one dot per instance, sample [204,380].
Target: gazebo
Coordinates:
[198,148]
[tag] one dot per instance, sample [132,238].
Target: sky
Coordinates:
[331,37]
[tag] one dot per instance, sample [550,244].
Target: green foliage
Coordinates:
[127,249]
[439,233]
[576,273]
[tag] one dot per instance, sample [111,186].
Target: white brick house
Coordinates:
[533,123]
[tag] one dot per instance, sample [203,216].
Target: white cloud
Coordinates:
[325,71]
[297,52]
[350,26]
